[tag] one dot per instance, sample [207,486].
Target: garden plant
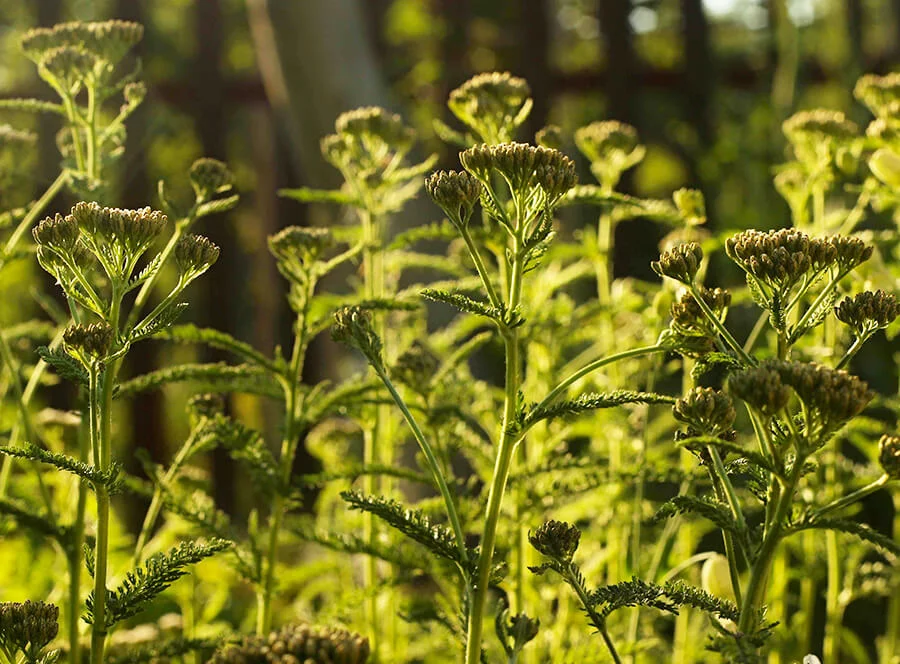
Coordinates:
[525,458]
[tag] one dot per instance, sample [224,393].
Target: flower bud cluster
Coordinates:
[194,254]
[58,233]
[91,342]
[133,230]
[455,193]
[830,397]
[353,326]
[819,127]
[523,166]
[297,644]
[611,147]
[880,93]
[868,311]
[492,104]
[557,540]
[28,626]
[104,40]
[779,259]
[208,177]
[549,137]
[680,263]
[371,123]
[710,412]
[688,318]
[416,367]
[297,249]
[889,455]
[851,251]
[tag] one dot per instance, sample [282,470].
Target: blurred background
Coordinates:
[256,83]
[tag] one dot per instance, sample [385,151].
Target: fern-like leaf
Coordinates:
[530,416]
[214,377]
[711,510]
[144,584]
[219,340]
[412,523]
[110,478]
[64,364]
[402,558]
[682,594]
[31,106]
[860,530]
[309,195]
[29,520]
[470,305]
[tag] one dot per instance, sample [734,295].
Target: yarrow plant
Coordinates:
[635,450]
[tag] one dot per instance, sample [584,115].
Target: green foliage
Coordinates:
[142,585]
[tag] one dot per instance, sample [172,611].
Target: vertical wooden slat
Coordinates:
[621,61]
[534,59]
[223,283]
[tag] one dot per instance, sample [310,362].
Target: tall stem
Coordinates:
[502,464]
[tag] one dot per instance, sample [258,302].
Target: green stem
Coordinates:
[75,552]
[834,610]
[754,595]
[91,156]
[482,271]
[502,465]
[804,319]
[593,366]
[597,620]
[852,351]
[852,497]
[720,328]
[100,398]
[28,220]
[286,464]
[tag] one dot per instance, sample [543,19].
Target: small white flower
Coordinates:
[811,659]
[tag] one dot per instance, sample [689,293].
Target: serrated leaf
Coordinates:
[463,303]
[413,523]
[213,377]
[110,478]
[442,230]
[190,333]
[309,195]
[64,364]
[708,508]
[165,319]
[859,530]
[144,584]
[31,106]
[530,415]
[217,206]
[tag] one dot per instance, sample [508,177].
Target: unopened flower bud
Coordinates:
[680,263]
[303,245]
[557,540]
[889,456]
[353,326]
[878,92]
[93,341]
[868,311]
[28,626]
[549,137]
[58,233]
[209,177]
[709,411]
[493,104]
[851,251]
[761,387]
[194,254]
[455,193]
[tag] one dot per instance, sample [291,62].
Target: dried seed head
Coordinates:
[194,254]
[680,263]
[868,311]
[57,233]
[209,177]
[691,206]
[557,540]
[889,455]
[297,644]
[879,93]
[709,411]
[455,193]
[760,387]
[353,326]
[493,104]
[91,342]
[28,626]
